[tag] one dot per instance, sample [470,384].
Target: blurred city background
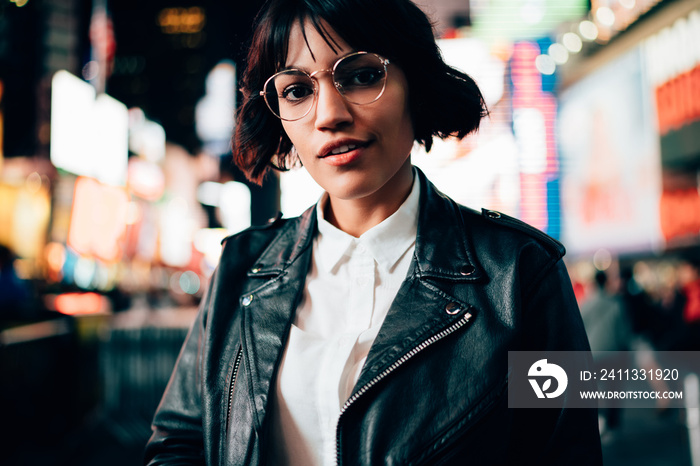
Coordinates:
[116,188]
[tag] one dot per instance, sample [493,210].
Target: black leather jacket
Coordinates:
[433,389]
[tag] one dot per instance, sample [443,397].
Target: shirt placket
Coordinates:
[362,289]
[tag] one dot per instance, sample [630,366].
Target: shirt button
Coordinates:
[467,270]
[246,300]
[361,248]
[363,281]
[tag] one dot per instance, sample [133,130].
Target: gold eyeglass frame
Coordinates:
[338,87]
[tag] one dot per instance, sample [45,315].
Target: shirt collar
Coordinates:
[386,242]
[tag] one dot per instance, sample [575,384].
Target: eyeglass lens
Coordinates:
[360,78]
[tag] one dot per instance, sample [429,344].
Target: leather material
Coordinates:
[433,389]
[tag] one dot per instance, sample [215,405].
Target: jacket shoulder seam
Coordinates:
[274,223]
[552,245]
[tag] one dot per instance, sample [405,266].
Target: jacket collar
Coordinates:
[452,257]
[443,256]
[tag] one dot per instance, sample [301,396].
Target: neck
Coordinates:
[356,216]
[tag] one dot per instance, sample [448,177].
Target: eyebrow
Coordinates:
[308,71]
[295,68]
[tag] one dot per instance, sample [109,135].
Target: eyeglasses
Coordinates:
[359,77]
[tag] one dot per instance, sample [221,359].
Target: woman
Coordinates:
[374,328]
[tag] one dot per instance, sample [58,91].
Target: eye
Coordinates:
[296,92]
[364,77]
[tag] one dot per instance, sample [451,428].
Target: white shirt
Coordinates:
[348,291]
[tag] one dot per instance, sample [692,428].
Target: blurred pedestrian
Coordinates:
[15,302]
[678,324]
[609,333]
[689,287]
[643,317]
[605,319]
[375,327]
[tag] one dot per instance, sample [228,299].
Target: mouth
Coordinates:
[341,147]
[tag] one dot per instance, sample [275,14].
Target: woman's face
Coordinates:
[375,139]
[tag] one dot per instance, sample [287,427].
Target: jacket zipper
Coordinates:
[234,375]
[438,336]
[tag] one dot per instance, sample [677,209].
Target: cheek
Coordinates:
[401,118]
[403,124]
[295,134]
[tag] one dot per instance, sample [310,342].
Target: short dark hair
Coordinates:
[443,101]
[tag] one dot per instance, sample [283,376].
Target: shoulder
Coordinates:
[280,241]
[501,230]
[271,227]
[489,232]
[248,244]
[505,245]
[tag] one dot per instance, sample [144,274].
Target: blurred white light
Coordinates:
[234,204]
[299,191]
[110,139]
[89,133]
[208,242]
[588,30]
[84,272]
[605,16]
[602,259]
[214,113]
[146,137]
[209,193]
[530,132]
[91,70]
[189,282]
[572,42]
[629,4]
[72,100]
[101,281]
[533,12]
[545,64]
[177,229]
[558,53]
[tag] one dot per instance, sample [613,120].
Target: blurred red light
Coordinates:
[79,303]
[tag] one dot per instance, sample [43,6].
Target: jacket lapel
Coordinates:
[273,291]
[424,305]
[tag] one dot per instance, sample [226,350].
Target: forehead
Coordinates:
[307,45]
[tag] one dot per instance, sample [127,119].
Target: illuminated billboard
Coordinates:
[522,19]
[611,171]
[89,133]
[98,220]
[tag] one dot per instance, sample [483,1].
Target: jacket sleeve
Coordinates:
[177,425]
[552,322]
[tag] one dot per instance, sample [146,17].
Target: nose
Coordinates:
[332,110]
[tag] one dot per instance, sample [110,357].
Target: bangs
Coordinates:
[349,22]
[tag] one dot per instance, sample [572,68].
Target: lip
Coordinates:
[327,149]
[345,158]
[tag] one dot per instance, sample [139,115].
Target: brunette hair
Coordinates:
[443,101]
